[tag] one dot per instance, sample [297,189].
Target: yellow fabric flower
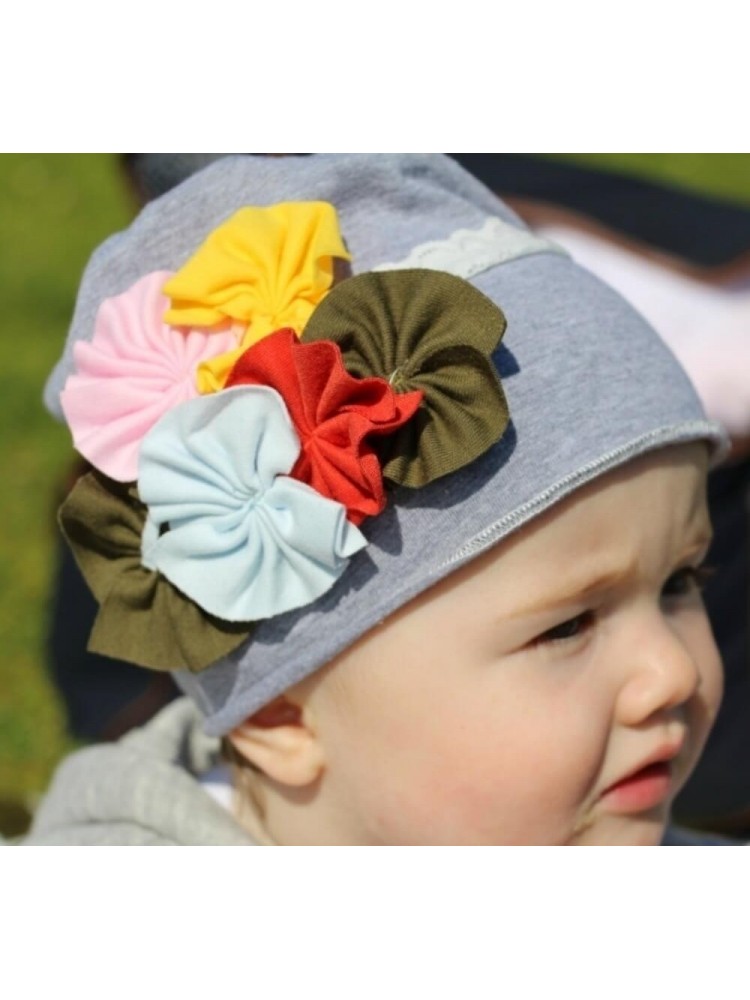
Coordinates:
[264,268]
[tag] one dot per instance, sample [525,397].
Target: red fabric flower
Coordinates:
[333,413]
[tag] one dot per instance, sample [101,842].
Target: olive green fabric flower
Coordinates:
[142,617]
[427,330]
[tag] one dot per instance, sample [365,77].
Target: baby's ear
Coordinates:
[280,741]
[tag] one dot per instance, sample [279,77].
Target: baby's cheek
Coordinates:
[462,791]
[527,787]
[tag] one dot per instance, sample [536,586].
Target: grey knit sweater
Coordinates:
[141,791]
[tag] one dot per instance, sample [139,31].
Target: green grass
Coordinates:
[54,209]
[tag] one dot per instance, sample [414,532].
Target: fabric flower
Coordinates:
[134,369]
[333,414]
[430,331]
[265,268]
[142,618]
[239,537]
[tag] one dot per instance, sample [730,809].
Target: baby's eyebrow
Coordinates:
[583,587]
[575,590]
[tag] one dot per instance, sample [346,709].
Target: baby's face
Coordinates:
[558,690]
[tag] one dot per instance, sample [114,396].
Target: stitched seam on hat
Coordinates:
[648,442]
[468,252]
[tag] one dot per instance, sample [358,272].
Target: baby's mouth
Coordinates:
[647,786]
[644,789]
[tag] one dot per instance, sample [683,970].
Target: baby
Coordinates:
[423,545]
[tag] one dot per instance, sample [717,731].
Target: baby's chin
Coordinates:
[643,830]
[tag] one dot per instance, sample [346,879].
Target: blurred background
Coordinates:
[54,209]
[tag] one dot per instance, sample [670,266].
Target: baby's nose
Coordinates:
[661,674]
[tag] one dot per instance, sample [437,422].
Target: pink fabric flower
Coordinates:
[133,371]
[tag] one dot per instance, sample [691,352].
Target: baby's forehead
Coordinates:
[651,510]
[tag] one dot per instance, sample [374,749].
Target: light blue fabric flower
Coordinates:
[244,541]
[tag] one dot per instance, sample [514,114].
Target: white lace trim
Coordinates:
[468,252]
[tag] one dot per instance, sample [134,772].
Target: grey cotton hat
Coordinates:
[588,384]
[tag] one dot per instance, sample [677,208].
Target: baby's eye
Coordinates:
[569,629]
[687,580]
